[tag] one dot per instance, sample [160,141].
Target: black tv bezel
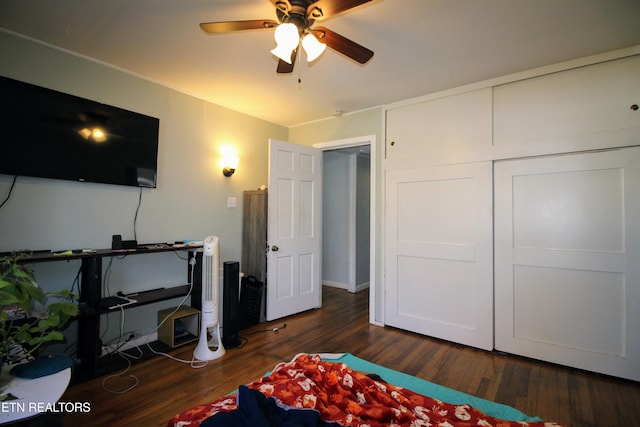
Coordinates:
[17,95]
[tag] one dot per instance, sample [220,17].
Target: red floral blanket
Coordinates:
[350,398]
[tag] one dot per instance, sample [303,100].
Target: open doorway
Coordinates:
[346,217]
[365,143]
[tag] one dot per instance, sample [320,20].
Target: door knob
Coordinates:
[274,248]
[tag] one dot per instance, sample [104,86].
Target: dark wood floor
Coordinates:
[166,387]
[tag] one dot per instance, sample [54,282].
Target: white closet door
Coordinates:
[567,237]
[439,260]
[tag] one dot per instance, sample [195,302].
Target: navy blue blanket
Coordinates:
[256,410]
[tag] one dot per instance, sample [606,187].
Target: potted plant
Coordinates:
[19,326]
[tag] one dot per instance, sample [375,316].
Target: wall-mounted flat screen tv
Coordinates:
[49,134]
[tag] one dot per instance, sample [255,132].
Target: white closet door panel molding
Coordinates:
[572,104]
[439,262]
[567,245]
[453,122]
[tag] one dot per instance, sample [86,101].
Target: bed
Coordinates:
[343,390]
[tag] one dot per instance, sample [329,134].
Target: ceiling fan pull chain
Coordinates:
[299,76]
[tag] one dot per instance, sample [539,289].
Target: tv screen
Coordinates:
[49,134]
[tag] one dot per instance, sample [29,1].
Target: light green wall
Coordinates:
[335,217]
[190,201]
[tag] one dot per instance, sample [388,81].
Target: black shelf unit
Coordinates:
[89,345]
[151,296]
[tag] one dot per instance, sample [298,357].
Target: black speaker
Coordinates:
[230,306]
[116,241]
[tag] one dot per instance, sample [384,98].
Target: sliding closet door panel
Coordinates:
[567,286]
[439,261]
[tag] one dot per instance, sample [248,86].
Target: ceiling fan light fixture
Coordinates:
[283,53]
[295,28]
[287,39]
[312,47]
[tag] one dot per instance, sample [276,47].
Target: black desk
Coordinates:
[89,346]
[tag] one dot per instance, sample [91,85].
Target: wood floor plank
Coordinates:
[166,387]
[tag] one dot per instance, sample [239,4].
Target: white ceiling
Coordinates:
[421,46]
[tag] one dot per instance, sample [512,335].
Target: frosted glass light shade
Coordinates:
[312,47]
[287,40]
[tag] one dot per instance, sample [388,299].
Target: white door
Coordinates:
[439,260]
[567,255]
[294,229]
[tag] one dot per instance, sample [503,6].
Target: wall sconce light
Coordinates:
[229,161]
[229,166]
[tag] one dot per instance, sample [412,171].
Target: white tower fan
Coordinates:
[210,299]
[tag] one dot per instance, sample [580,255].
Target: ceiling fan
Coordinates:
[295,18]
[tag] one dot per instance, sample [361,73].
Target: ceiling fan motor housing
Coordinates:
[296,12]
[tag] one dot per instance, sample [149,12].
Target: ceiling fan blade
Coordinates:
[343,45]
[228,26]
[322,9]
[284,67]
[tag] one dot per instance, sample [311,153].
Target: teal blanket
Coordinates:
[427,388]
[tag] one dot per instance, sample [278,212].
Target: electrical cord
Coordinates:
[125,356]
[76,281]
[6,199]
[135,217]
[267,330]
[106,278]
[244,340]
[109,377]
[128,357]
[193,362]
[176,253]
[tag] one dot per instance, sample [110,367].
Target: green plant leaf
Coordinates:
[68,308]
[54,336]
[64,294]
[41,326]
[34,341]
[53,321]
[21,336]
[36,293]
[8,298]
[18,286]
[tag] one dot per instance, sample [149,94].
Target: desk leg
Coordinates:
[89,319]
